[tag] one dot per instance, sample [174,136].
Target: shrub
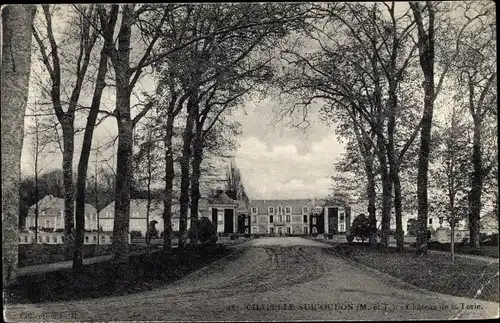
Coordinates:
[247,235]
[360,227]
[205,230]
[135,234]
[233,236]
[490,240]
[315,234]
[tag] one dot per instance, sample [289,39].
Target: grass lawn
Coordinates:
[432,272]
[487,251]
[141,273]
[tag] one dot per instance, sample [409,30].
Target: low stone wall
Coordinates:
[57,238]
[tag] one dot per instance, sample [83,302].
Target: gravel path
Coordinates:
[282,278]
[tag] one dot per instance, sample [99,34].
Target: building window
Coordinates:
[314,230]
[108,214]
[270,210]
[54,239]
[289,230]
[271,230]
[342,227]
[254,210]
[136,214]
[288,209]
[280,218]
[342,216]
[95,239]
[255,229]
[39,238]
[87,239]
[280,209]
[305,230]
[430,221]
[26,239]
[314,220]
[271,219]
[47,239]
[246,221]
[305,209]
[305,218]
[103,239]
[47,223]
[288,218]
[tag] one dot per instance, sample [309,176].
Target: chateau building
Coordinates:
[51,214]
[298,217]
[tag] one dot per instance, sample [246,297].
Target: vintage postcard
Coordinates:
[312,161]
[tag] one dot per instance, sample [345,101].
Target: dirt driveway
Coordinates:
[282,278]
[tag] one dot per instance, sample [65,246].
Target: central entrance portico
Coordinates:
[224,215]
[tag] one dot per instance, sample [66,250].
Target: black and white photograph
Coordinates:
[249,162]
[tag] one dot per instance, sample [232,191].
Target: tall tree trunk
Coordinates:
[96,192]
[386,193]
[148,205]
[475,193]
[426,56]
[169,179]
[17,21]
[37,192]
[84,161]
[372,194]
[123,176]
[398,210]
[185,159]
[67,167]
[423,160]
[121,64]
[195,177]
[394,169]
[382,158]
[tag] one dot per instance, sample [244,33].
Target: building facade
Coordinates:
[138,215]
[51,215]
[298,217]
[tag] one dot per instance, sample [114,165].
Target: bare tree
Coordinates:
[425,19]
[451,173]
[475,70]
[40,144]
[56,65]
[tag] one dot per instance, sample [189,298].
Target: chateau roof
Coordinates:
[224,199]
[54,206]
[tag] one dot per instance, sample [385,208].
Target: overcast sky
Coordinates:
[282,162]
